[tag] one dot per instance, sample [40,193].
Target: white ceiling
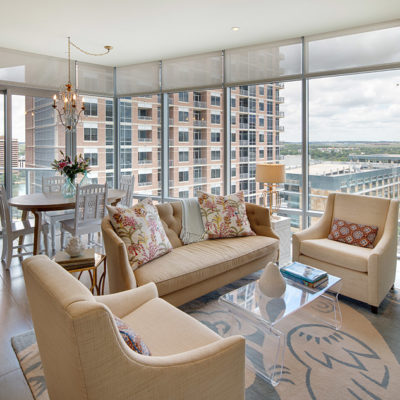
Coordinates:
[149,30]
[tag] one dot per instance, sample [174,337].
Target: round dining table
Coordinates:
[37,203]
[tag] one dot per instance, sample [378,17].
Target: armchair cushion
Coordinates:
[168,330]
[133,340]
[352,233]
[337,253]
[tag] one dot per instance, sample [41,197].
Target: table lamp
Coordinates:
[270,175]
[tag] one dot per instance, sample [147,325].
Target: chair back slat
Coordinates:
[5,214]
[126,184]
[52,184]
[90,206]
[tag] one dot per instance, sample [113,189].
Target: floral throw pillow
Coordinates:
[141,230]
[224,216]
[352,233]
[133,340]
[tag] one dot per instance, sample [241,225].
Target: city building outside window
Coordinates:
[90,107]
[183,116]
[183,135]
[261,106]
[183,97]
[215,136]
[92,157]
[215,155]
[90,132]
[215,173]
[183,176]
[183,155]
[215,118]
[215,100]
[216,190]
[261,121]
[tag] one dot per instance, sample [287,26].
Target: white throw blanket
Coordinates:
[192,223]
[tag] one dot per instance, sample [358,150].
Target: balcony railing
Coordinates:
[244,109]
[200,104]
[244,142]
[280,114]
[243,159]
[141,162]
[244,125]
[281,128]
[145,183]
[244,175]
[280,85]
[280,99]
[199,123]
[198,161]
[244,91]
[200,142]
[146,139]
[200,179]
[145,117]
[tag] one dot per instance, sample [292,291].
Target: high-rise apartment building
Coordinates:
[196,138]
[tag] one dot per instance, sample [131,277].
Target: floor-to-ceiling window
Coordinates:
[196,142]
[354,144]
[2,142]
[37,138]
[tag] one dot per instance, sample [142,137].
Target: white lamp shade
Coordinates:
[270,173]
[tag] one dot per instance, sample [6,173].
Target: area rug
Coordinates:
[360,361]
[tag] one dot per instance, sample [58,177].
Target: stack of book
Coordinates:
[304,274]
[86,260]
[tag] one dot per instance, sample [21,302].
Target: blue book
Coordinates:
[304,272]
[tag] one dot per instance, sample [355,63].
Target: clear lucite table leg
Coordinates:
[328,307]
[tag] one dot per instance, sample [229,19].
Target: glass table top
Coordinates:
[249,298]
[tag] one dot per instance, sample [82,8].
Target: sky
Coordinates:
[353,107]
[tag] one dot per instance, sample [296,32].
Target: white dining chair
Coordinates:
[54,184]
[126,183]
[15,230]
[90,209]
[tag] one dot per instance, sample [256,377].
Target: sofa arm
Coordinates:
[123,303]
[259,220]
[120,274]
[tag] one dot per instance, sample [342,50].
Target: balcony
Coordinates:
[281,128]
[145,183]
[244,125]
[280,85]
[200,104]
[244,175]
[244,159]
[145,117]
[279,99]
[244,92]
[198,161]
[199,123]
[244,142]
[244,109]
[142,162]
[280,114]
[200,179]
[200,142]
[145,139]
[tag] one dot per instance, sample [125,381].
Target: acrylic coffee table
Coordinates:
[252,306]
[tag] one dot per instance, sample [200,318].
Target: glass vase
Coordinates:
[69,189]
[85,180]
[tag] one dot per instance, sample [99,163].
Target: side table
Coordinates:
[98,259]
[281,225]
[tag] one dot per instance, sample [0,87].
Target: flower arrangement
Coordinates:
[70,169]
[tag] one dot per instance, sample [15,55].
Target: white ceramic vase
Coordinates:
[272,283]
[74,247]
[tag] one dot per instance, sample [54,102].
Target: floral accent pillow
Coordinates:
[141,230]
[133,340]
[352,233]
[224,216]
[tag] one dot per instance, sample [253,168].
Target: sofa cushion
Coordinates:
[193,263]
[168,330]
[336,253]
[224,216]
[171,219]
[141,231]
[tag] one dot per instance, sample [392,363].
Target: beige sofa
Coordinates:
[190,271]
[368,274]
[85,357]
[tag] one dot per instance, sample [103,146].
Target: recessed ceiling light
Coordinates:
[235,28]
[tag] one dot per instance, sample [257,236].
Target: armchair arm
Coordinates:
[259,220]
[318,230]
[123,303]
[383,259]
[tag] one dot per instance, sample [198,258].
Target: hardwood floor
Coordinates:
[14,319]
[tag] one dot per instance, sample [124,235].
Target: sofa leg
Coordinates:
[374,309]
[392,288]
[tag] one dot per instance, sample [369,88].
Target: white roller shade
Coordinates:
[199,71]
[95,79]
[263,62]
[138,79]
[353,49]
[33,70]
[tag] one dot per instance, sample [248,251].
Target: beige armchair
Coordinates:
[368,274]
[85,357]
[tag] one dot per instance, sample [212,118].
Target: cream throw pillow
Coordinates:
[141,230]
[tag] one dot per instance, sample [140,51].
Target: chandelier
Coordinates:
[65,102]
